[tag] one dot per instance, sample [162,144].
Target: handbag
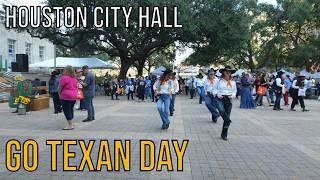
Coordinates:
[261,90]
[302,92]
[79,94]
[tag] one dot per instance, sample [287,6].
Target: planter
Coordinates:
[22,110]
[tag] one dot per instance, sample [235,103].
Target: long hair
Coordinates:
[163,77]
[52,79]
[69,71]
[222,75]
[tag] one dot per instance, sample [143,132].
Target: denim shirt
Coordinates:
[89,90]
[287,83]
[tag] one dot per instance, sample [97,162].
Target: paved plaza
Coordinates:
[263,144]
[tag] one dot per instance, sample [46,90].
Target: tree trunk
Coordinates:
[140,69]
[125,65]
[149,70]
[141,64]
[250,56]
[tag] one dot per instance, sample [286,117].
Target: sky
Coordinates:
[180,56]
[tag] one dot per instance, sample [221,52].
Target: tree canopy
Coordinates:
[242,33]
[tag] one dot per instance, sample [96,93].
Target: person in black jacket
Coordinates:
[278,85]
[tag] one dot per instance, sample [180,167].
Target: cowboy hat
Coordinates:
[227,68]
[301,75]
[200,75]
[280,73]
[54,73]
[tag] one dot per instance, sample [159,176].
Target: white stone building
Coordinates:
[13,42]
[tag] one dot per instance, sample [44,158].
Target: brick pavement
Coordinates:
[263,144]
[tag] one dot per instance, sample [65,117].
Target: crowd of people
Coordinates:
[217,92]
[71,86]
[274,88]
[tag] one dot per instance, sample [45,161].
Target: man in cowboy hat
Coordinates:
[299,84]
[225,90]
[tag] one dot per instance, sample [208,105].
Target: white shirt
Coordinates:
[199,82]
[164,89]
[278,82]
[294,84]
[175,86]
[208,87]
[221,88]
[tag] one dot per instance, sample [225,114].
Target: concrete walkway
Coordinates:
[263,144]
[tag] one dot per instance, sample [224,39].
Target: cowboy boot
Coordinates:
[224,133]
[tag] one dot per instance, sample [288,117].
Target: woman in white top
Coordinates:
[299,83]
[225,90]
[163,89]
[209,98]
[199,84]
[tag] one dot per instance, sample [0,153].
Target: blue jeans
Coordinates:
[278,100]
[89,106]
[211,105]
[148,92]
[200,90]
[163,108]
[271,94]
[172,101]
[224,107]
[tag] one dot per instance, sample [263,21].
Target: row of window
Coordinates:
[12,50]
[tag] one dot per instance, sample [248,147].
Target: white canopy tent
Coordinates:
[77,62]
[316,75]
[306,73]
[238,72]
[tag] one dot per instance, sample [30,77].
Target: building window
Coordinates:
[11,50]
[28,51]
[41,53]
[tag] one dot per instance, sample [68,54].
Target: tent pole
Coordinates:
[54,57]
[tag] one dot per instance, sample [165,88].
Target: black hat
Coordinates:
[212,71]
[167,72]
[174,74]
[280,73]
[301,75]
[227,68]
[85,67]
[54,73]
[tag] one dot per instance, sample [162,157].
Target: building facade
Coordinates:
[13,42]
